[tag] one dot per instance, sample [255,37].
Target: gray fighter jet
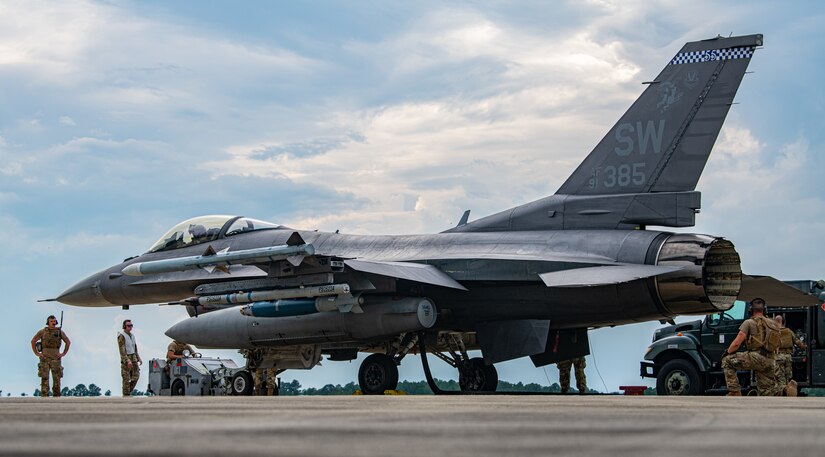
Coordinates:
[528,281]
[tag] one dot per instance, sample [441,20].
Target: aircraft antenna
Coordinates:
[596,365]
[547,376]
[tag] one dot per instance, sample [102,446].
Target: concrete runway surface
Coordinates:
[413,425]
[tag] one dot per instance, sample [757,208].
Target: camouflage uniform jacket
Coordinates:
[788,341]
[50,339]
[177,348]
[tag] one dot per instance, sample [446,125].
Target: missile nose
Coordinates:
[85,293]
[182,331]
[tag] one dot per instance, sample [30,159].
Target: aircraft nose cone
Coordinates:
[85,293]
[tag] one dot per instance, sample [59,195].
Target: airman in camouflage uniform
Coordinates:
[50,356]
[176,349]
[271,381]
[784,362]
[756,358]
[129,358]
[564,374]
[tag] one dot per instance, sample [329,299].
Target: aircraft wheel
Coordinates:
[679,377]
[378,373]
[178,388]
[242,383]
[476,376]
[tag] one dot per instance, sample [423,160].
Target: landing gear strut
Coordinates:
[473,374]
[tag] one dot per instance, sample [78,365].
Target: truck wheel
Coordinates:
[476,376]
[178,388]
[679,377]
[242,383]
[378,373]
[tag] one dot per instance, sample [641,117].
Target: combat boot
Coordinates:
[734,394]
[791,390]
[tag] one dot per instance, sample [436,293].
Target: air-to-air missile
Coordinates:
[300,307]
[211,259]
[269,295]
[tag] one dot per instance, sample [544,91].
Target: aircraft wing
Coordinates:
[417,272]
[604,275]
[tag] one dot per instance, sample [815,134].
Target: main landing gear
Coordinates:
[379,372]
[474,376]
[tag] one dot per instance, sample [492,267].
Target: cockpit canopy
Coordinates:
[207,228]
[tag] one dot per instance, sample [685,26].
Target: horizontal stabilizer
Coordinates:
[774,292]
[418,272]
[602,276]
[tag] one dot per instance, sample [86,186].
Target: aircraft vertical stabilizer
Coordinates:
[645,170]
[663,141]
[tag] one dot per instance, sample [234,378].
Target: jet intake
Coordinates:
[710,277]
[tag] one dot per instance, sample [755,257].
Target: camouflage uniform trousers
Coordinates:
[44,367]
[564,374]
[129,376]
[784,370]
[271,381]
[751,360]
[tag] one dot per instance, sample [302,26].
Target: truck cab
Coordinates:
[686,358]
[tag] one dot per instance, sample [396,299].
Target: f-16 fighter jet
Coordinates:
[528,281]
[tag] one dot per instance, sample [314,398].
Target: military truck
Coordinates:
[196,376]
[686,358]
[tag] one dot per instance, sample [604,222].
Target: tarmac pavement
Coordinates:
[413,425]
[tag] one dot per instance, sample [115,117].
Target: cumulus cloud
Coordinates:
[454,150]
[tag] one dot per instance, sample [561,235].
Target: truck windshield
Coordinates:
[736,313]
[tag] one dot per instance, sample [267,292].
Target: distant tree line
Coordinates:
[79,390]
[293,388]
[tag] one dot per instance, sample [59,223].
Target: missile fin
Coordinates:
[210,251]
[223,268]
[295,260]
[345,308]
[209,268]
[295,240]
[356,309]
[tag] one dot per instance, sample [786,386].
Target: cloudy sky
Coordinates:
[120,119]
